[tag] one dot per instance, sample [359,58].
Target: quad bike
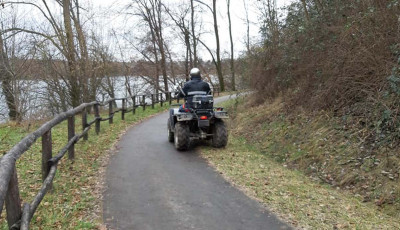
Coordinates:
[199,122]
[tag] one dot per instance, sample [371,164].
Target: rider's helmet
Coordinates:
[195,72]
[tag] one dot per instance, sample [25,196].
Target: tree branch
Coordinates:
[36,33]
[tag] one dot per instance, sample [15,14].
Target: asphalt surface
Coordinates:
[150,186]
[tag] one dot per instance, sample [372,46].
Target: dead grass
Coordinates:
[310,169]
[296,198]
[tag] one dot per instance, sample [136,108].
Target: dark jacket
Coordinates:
[194,87]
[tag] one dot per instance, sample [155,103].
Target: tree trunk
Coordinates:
[161,46]
[247,26]
[305,10]
[219,67]
[171,64]
[73,79]
[187,42]
[232,54]
[84,62]
[6,82]
[189,61]
[195,62]
[156,61]
[187,64]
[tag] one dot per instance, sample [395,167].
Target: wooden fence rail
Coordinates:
[19,218]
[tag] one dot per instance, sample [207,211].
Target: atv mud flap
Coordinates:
[203,123]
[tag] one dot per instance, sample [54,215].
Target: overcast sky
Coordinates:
[112,19]
[110,16]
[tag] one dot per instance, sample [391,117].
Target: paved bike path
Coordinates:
[151,186]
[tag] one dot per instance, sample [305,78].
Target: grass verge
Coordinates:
[251,162]
[74,202]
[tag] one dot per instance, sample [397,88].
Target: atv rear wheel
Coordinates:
[220,135]
[181,136]
[170,133]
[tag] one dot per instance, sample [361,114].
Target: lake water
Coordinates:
[37,101]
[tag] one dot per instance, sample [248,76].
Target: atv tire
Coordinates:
[170,133]
[181,136]
[220,135]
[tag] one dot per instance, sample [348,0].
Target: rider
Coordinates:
[194,87]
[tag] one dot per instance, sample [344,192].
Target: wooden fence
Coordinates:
[19,218]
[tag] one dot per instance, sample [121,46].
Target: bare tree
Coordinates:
[16,53]
[246,8]
[84,62]
[63,40]
[217,58]
[268,9]
[6,77]
[228,3]
[182,24]
[151,12]
[157,11]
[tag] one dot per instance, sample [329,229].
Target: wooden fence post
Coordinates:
[161,100]
[97,117]
[13,200]
[134,104]
[25,217]
[170,98]
[47,153]
[110,111]
[84,124]
[71,134]
[152,101]
[123,110]
[144,102]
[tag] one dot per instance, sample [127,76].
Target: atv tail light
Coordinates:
[219,109]
[203,118]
